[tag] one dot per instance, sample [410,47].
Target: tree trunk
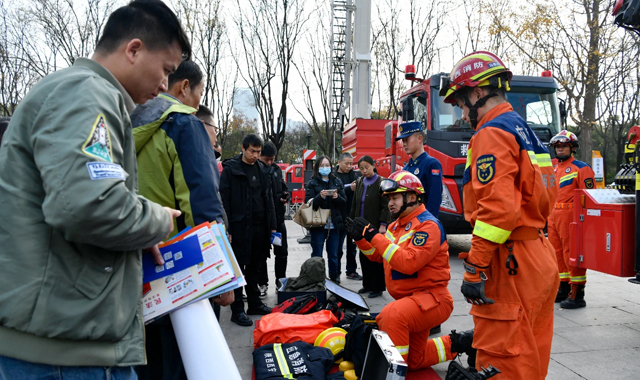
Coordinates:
[591,93]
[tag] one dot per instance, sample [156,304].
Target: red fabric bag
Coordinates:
[287,328]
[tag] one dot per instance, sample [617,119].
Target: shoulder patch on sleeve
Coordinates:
[588,183]
[435,172]
[105,170]
[485,168]
[98,143]
[419,238]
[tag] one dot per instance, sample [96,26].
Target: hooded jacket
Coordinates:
[175,161]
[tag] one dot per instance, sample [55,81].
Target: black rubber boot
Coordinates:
[563,291]
[575,299]
[461,343]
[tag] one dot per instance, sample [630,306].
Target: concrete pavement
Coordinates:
[601,341]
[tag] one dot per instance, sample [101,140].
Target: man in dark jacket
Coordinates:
[344,171]
[280,196]
[248,203]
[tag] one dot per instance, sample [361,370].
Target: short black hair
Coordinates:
[342,156]
[253,140]
[187,70]
[269,149]
[4,123]
[151,21]
[204,112]
[368,160]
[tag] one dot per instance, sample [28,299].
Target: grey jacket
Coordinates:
[72,224]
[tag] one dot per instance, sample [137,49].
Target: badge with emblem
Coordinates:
[417,171]
[420,238]
[588,183]
[485,168]
[98,143]
[568,170]
[408,227]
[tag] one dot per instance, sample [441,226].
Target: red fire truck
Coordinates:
[534,98]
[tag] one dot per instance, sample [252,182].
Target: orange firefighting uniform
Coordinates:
[508,194]
[415,254]
[570,175]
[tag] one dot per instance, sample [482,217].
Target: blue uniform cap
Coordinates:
[407,129]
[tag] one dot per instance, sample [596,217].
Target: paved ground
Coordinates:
[601,341]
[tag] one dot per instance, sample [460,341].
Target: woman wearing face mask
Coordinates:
[320,189]
[368,203]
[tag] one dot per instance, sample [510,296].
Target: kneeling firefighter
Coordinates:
[511,276]
[570,174]
[415,254]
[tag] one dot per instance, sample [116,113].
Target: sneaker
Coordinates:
[241,319]
[354,276]
[263,291]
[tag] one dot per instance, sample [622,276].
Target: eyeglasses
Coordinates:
[210,125]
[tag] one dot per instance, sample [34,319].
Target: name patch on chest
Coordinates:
[485,168]
[419,238]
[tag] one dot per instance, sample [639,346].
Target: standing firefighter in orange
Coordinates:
[511,275]
[571,174]
[415,254]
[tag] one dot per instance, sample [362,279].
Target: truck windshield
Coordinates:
[539,109]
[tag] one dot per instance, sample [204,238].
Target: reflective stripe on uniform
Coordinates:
[442,351]
[544,160]
[532,157]
[564,275]
[282,361]
[568,177]
[404,350]
[388,253]
[405,237]
[390,236]
[579,279]
[468,158]
[368,252]
[491,233]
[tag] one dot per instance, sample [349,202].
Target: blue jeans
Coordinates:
[11,369]
[318,238]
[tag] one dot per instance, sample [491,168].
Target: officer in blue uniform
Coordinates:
[425,167]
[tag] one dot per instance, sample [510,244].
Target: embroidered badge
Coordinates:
[568,170]
[98,143]
[105,170]
[419,239]
[435,172]
[408,227]
[485,168]
[417,171]
[588,183]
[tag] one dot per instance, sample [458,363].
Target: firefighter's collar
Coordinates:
[402,221]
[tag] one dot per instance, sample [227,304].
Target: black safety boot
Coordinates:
[461,343]
[575,299]
[563,291]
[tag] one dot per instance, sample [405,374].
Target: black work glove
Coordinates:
[473,284]
[359,228]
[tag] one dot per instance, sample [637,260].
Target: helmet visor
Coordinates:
[388,186]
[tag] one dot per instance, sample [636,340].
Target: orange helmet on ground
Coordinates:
[401,181]
[480,68]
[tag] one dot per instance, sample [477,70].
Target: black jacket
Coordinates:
[346,179]
[279,190]
[376,206]
[304,360]
[235,191]
[312,191]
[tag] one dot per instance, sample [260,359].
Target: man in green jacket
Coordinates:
[71,221]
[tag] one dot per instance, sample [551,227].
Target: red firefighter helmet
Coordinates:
[480,68]
[565,137]
[401,181]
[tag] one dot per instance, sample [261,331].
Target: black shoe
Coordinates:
[241,319]
[260,310]
[363,291]
[336,280]
[461,343]
[375,294]
[575,299]
[436,330]
[563,292]
[354,276]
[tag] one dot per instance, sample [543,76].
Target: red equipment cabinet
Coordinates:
[603,232]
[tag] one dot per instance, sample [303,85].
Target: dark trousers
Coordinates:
[281,254]
[259,252]
[163,355]
[352,265]
[372,274]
